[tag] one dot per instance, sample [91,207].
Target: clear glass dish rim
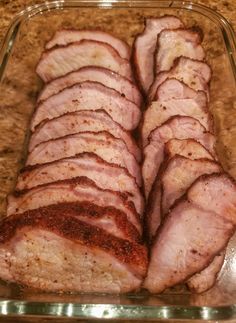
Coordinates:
[11,307]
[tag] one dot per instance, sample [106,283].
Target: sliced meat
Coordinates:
[174,178]
[78,189]
[220,190]
[59,61]
[145,45]
[175,43]
[179,173]
[102,143]
[153,216]
[196,74]
[205,279]
[109,219]
[176,127]
[188,148]
[94,74]
[89,96]
[193,104]
[62,253]
[194,232]
[66,36]
[88,165]
[80,121]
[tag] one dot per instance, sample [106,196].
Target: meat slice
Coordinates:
[196,74]
[176,127]
[194,232]
[78,189]
[109,219]
[190,103]
[175,43]
[81,121]
[145,45]
[220,190]
[179,173]
[188,148]
[88,165]
[62,253]
[66,36]
[205,279]
[94,74]
[59,61]
[102,143]
[89,96]
[174,178]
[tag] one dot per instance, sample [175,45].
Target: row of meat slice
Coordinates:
[179,158]
[78,204]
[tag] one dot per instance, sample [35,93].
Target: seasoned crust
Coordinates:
[70,185]
[69,227]
[87,212]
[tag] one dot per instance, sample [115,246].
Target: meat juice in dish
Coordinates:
[78,220]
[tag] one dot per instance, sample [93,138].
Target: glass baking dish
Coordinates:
[19,87]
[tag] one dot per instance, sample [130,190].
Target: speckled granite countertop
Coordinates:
[8,9]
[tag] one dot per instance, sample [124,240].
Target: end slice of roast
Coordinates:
[95,74]
[194,232]
[102,143]
[88,165]
[172,44]
[196,74]
[145,45]
[61,253]
[178,127]
[88,96]
[66,36]
[79,189]
[175,98]
[59,61]
[81,121]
